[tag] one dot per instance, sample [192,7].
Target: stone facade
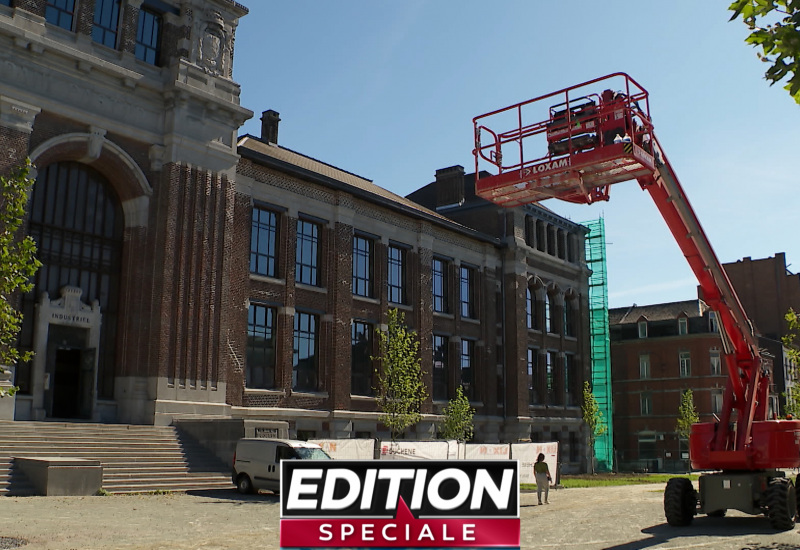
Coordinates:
[149,131]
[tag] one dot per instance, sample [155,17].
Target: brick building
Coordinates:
[657,352]
[189,273]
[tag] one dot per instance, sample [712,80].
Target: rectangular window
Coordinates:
[647,446]
[60,13]
[361,370]
[548,313]
[5,2]
[441,294]
[148,37]
[685,359]
[362,267]
[307,259]
[569,318]
[644,365]
[106,22]
[550,378]
[683,326]
[468,368]
[716,401]
[396,279]
[570,379]
[533,356]
[304,357]
[260,347]
[264,242]
[467,285]
[712,321]
[716,362]
[642,329]
[530,309]
[646,404]
[574,451]
[440,386]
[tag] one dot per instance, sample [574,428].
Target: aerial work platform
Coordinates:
[571,144]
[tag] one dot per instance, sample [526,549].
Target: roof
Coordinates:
[350,182]
[657,312]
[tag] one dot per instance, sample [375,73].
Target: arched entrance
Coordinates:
[77,222]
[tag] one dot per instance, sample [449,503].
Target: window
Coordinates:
[148,37]
[467,368]
[644,365]
[550,380]
[716,362]
[304,359]
[362,267]
[106,22]
[646,404]
[263,242]
[440,386]
[60,13]
[533,356]
[647,446]
[685,359]
[548,313]
[716,401]
[570,379]
[397,275]
[307,259]
[642,325]
[260,347]
[5,2]
[361,370]
[441,294]
[683,326]
[467,292]
[713,326]
[530,309]
[569,318]
[574,454]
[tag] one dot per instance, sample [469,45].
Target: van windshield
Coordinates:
[307,453]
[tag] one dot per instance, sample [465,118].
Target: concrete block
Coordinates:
[58,476]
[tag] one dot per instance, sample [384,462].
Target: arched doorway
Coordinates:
[76,220]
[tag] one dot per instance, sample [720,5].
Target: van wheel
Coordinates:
[244,484]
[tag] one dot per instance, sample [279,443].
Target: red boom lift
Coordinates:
[574,144]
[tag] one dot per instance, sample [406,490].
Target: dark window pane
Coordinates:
[260,347]
[362,267]
[304,363]
[263,242]
[148,37]
[106,21]
[361,370]
[440,289]
[60,13]
[396,275]
[440,370]
[307,253]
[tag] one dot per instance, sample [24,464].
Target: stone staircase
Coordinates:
[135,459]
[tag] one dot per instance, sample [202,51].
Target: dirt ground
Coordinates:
[618,518]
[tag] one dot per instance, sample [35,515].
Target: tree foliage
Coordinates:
[18,263]
[775,28]
[791,340]
[687,414]
[458,418]
[401,391]
[592,417]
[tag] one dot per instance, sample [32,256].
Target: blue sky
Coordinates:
[388,90]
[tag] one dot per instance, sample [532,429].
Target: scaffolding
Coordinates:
[600,341]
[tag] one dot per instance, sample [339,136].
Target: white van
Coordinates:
[257,461]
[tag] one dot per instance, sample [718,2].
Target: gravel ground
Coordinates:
[618,518]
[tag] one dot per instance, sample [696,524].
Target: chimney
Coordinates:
[450,186]
[269,126]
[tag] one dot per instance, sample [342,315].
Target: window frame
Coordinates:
[683,326]
[310,337]
[685,363]
[644,366]
[466,366]
[270,233]
[467,278]
[149,52]
[716,365]
[396,276]
[531,364]
[362,371]
[440,288]
[363,266]
[108,27]
[270,335]
[646,404]
[440,375]
[641,327]
[58,12]
[307,252]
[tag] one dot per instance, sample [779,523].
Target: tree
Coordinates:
[790,341]
[401,391]
[593,417]
[775,27]
[18,263]
[458,418]
[687,414]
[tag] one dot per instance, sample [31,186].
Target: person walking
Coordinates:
[542,473]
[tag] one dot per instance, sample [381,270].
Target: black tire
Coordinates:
[680,502]
[781,503]
[245,485]
[717,514]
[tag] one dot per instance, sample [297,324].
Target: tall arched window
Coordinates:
[76,220]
